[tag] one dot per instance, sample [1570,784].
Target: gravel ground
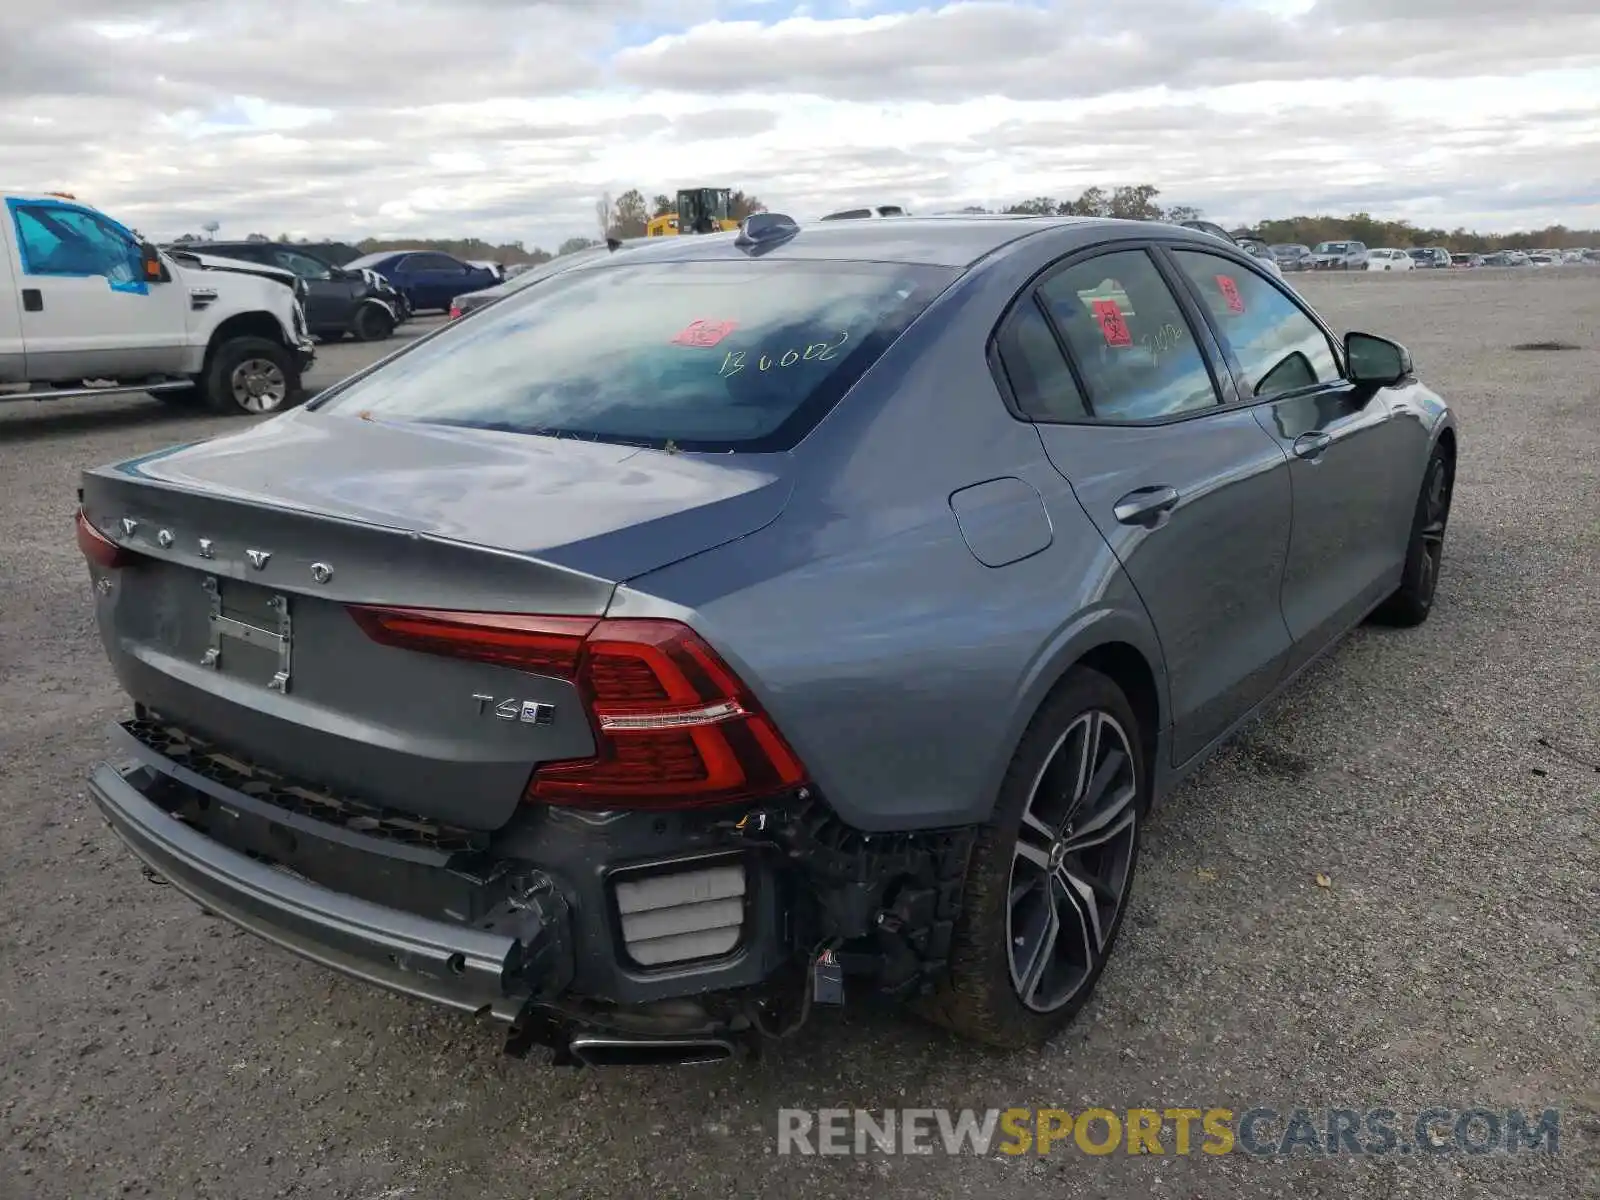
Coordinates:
[1444,781]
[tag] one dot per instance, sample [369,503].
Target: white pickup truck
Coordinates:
[88,309]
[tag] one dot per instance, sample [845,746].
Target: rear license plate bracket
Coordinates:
[222,628]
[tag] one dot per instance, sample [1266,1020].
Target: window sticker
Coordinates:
[704,334]
[1230,293]
[1112,326]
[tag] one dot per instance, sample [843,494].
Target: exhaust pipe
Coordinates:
[649,1052]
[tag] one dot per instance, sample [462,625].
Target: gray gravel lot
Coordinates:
[1446,781]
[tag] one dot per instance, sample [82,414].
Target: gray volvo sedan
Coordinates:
[747,622]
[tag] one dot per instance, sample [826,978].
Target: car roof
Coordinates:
[945,241]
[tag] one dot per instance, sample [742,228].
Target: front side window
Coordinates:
[1278,347]
[701,356]
[57,240]
[1130,339]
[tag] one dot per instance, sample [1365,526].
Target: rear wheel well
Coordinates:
[1127,668]
[249,324]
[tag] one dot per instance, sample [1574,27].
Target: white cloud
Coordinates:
[506,118]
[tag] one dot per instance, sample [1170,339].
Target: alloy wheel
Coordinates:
[1072,862]
[1435,516]
[259,385]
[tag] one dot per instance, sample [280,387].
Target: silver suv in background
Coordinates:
[1293,256]
[1339,256]
[1429,257]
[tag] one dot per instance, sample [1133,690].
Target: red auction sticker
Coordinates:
[705,333]
[1112,325]
[1230,293]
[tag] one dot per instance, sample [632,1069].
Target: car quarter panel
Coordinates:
[901,668]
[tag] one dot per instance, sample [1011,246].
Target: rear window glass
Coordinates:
[707,356]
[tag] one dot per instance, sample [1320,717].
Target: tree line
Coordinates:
[1138,203]
[628,214]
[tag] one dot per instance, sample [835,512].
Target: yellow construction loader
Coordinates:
[700,210]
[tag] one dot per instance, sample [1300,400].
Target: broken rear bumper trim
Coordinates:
[469,969]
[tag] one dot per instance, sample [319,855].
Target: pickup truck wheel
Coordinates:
[371,324]
[250,376]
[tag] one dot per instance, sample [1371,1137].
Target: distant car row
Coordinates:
[1354,256]
[365,296]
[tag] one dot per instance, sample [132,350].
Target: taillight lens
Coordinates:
[674,727]
[454,312]
[98,548]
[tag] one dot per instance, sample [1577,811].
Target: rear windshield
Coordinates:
[707,356]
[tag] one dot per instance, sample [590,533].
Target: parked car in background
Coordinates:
[494,268]
[337,300]
[1292,256]
[427,278]
[1211,227]
[866,213]
[1466,260]
[555,266]
[1430,258]
[589,664]
[1386,258]
[1543,260]
[88,300]
[340,254]
[1262,252]
[1338,256]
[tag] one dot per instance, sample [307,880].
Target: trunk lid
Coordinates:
[234,625]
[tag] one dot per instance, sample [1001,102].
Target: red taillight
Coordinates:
[674,727]
[98,548]
[454,312]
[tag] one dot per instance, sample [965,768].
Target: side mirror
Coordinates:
[154,269]
[1374,360]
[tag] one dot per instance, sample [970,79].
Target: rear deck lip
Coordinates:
[354,937]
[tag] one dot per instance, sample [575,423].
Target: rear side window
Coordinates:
[1040,379]
[1129,337]
[704,356]
[431,262]
[1279,348]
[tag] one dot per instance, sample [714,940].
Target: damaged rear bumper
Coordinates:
[615,930]
[495,971]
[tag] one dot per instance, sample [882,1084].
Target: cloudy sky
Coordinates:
[507,118]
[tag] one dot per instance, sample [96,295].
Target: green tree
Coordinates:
[741,205]
[1136,203]
[662,205]
[629,215]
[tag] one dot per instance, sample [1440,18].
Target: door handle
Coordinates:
[1309,445]
[1146,505]
[32,300]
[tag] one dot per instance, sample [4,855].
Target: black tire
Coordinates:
[982,998]
[371,324]
[275,369]
[1411,602]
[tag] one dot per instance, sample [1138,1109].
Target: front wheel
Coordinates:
[371,324]
[1050,876]
[1412,601]
[250,376]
